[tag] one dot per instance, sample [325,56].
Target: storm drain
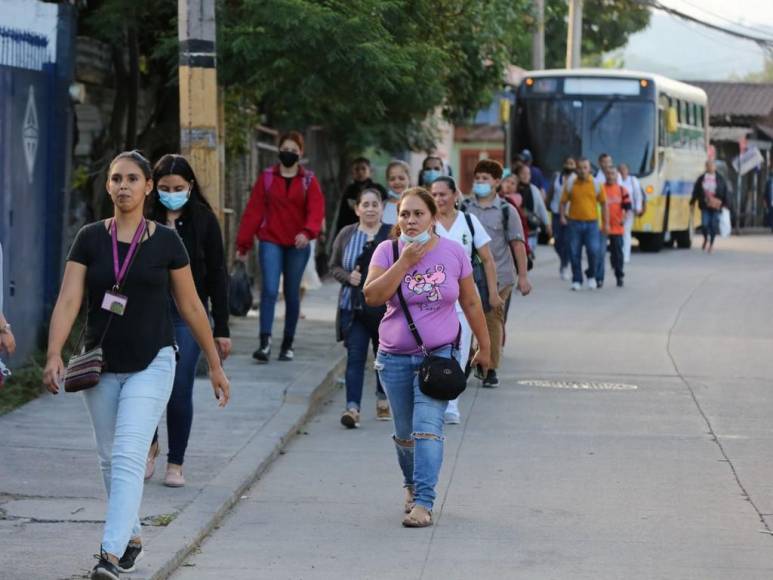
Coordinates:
[578,385]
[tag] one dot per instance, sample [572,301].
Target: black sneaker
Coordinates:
[491,381]
[599,284]
[131,556]
[105,570]
[286,351]
[619,282]
[264,351]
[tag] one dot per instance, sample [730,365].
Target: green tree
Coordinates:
[606,26]
[369,71]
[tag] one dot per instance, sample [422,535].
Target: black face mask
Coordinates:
[288,158]
[568,170]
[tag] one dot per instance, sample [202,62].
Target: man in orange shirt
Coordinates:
[618,205]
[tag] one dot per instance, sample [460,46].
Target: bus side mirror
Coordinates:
[672,124]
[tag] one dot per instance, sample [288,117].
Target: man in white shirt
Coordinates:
[631,183]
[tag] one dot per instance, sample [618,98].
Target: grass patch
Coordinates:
[26,382]
[24,385]
[160,520]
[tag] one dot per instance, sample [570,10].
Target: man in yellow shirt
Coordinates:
[580,203]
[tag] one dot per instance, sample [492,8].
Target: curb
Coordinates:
[202,515]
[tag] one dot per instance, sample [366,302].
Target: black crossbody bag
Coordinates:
[439,377]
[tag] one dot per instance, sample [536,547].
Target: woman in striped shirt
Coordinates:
[357,323]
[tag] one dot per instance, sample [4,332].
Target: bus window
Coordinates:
[701,113]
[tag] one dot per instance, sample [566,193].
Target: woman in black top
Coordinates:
[127,403]
[178,203]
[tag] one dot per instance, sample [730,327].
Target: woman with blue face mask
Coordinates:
[431,168]
[398,176]
[178,203]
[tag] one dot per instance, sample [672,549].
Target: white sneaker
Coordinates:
[452,418]
[452,415]
[576,286]
[592,284]
[566,274]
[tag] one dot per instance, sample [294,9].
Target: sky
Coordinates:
[683,50]
[747,12]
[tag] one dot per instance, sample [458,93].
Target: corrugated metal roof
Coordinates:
[738,99]
[729,133]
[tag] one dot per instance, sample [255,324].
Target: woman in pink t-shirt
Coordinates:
[433,273]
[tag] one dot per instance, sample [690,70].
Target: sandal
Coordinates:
[420,517]
[150,463]
[410,500]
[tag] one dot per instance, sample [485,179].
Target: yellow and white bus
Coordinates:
[656,125]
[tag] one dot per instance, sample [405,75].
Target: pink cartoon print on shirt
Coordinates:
[427,283]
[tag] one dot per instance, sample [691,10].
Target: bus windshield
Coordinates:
[555,128]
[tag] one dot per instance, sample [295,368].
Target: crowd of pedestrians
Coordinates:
[427,273]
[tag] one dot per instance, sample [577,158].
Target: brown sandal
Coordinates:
[410,501]
[420,517]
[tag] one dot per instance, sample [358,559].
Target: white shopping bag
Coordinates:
[724,223]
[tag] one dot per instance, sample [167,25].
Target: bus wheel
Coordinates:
[650,242]
[683,239]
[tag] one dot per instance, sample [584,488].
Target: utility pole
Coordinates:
[538,38]
[198,96]
[574,36]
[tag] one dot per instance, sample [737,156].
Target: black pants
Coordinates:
[616,255]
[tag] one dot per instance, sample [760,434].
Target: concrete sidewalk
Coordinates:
[52,501]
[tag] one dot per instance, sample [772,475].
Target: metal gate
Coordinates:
[32,181]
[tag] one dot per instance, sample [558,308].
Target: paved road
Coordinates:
[663,472]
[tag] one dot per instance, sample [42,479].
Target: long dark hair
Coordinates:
[173,164]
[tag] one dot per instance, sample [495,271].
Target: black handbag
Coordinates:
[439,377]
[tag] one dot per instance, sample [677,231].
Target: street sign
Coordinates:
[748,160]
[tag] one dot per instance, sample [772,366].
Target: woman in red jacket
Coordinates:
[285,212]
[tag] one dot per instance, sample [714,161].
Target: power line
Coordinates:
[728,20]
[766,43]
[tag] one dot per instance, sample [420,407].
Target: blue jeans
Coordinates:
[561,240]
[418,421]
[357,338]
[709,225]
[276,260]
[125,409]
[583,233]
[179,411]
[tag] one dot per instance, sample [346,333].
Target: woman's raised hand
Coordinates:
[413,252]
[355,277]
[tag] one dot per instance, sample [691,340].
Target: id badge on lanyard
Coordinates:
[113,301]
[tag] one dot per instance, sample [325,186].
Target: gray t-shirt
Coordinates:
[492,219]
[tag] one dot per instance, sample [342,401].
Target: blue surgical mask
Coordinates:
[393,194]
[174,200]
[430,175]
[481,189]
[422,238]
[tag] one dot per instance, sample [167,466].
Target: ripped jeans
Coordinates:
[418,421]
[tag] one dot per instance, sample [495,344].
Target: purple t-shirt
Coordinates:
[431,290]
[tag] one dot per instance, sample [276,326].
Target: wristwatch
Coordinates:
[5,328]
